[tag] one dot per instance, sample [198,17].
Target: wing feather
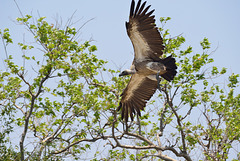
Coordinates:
[135,96]
[132,8]
[144,34]
[142,7]
[136,10]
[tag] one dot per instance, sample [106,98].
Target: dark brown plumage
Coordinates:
[148,47]
[134,98]
[141,22]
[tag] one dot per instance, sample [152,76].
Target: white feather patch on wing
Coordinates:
[140,45]
[152,66]
[149,65]
[152,77]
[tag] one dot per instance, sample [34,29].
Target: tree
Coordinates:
[60,102]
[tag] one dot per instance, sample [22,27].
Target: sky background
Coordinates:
[218,20]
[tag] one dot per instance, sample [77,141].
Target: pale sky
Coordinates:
[218,20]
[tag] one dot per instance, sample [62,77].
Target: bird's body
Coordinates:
[150,68]
[147,64]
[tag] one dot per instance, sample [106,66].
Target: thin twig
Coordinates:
[20,109]
[164,157]
[169,101]
[79,141]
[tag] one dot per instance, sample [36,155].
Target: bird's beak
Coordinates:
[122,74]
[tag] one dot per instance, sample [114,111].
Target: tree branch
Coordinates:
[163,157]
[29,113]
[79,141]
[150,146]
[184,151]
[24,80]
[19,109]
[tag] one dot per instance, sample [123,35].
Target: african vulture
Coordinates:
[147,64]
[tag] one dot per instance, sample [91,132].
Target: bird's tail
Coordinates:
[170,63]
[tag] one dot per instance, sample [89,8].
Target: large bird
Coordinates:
[147,64]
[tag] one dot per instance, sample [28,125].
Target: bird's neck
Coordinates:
[131,71]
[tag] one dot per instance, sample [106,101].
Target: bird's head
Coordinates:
[125,72]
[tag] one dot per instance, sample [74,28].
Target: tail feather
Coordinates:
[171,66]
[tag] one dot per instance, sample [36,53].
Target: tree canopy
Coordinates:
[59,101]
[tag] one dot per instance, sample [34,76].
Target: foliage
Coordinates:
[63,103]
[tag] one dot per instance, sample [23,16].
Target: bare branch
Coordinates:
[140,137]
[79,141]
[184,151]
[24,80]
[5,47]
[102,85]
[60,128]
[163,157]
[161,120]
[19,109]
[29,113]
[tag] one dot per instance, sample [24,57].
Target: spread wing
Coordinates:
[144,34]
[135,96]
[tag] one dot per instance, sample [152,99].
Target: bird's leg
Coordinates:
[126,130]
[158,81]
[139,125]
[123,126]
